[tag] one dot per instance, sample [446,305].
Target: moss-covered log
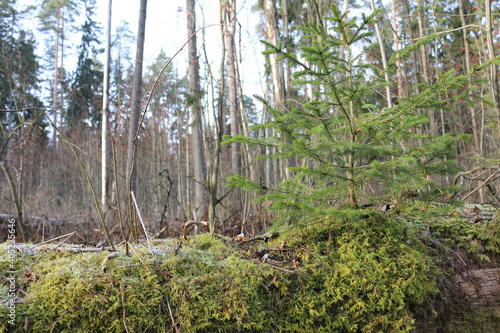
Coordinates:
[344,271]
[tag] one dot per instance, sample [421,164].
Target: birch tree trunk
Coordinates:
[197,144]
[229,10]
[395,29]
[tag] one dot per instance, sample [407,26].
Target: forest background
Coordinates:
[180,167]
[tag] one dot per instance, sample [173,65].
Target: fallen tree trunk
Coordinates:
[481,288]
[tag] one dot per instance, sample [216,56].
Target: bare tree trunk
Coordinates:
[272,37]
[197,143]
[105,109]
[384,60]
[433,124]
[472,110]
[345,6]
[242,118]
[219,117]
[61,75]
[277,70]
[409,26]
[55,79]
[181,186]
[286,33]
[229,10]
[493,77]
[423,52]
[136,97]
[395,30]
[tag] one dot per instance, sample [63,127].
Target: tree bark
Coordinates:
[197,142]
[433,125]
[423,52]
[229,10]
[395,29]
[136,97]
[493,77]
[105,109]
[272,37]
[286,32]
[276,75]
[481,288]
[55,79]
[475,133]
[384,60]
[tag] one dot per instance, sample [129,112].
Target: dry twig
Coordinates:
[143,225]
[189,223]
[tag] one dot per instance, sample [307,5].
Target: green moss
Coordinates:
[72,294]
[341,271]
[450,227]
[357,274]
[216,291]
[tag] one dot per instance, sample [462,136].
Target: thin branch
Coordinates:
[120,218]
[174,325]
[15,198]
[135,252]
[190,223]
[441,32]
[87,176]
[124,313]
[55,247]
[484,183]
[159,76]
[51,240]
[82,167]
[134,154]
[143,225]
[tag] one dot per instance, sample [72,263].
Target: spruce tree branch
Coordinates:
[291,135]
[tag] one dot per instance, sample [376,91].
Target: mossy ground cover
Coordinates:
[341,271]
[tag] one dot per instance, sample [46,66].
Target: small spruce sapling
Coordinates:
[344,143]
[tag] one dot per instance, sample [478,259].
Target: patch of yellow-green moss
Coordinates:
[343,271]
